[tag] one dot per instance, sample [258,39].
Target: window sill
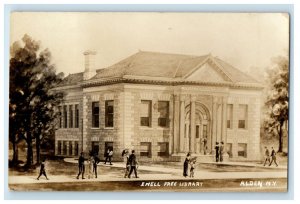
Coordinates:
[146,128]
[95,128]
[163,128]
[108,128]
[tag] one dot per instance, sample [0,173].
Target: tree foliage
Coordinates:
[31,96]
[278,97]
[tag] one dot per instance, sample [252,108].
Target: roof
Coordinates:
[72,79]
[155,67]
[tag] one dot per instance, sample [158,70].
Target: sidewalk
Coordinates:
[158,172]
[162,168]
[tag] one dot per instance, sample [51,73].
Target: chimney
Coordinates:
[89,64]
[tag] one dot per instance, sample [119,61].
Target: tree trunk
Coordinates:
[280,137]
[15,153]
[37,145]
[29,161]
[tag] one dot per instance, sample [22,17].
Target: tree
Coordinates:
[278,98]
[31,96]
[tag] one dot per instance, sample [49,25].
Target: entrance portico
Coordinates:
[197,125]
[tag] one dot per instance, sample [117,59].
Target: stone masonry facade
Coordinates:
[196,116]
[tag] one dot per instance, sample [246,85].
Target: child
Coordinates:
[42,170]
[192,168]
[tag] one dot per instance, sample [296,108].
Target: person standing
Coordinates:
[107,155]
[205,145]
[221,151]
[192,170]
[125,155]
[42,170]
[273,157]
[81,167]
[217,149]
[133,164]
[91,167]
[186,165]
[96,162]
[266,156]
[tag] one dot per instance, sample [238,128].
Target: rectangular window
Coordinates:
[59,117]
[145,149]
[197,131]
[145,113]
[163,149]
[229,115]
[76,148]
[95,114]
[204,131]
[76,116]
[163,110]
[243,114]
[70,116]
[95,148]
[64,147]
[242,150]
[59,147]
[109,113]
[65,117]
[70,148]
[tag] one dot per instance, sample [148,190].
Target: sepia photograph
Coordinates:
[149,101]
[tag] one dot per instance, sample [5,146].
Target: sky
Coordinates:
[247,41]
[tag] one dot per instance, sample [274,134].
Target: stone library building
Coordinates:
[162,106]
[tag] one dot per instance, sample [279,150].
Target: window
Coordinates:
[109,113]
[95,148]
[145,150]
[197,131]
[163,149]
[163,109]
[59,147]
[243,109]
[95,114]
[229,115]
[64,148]
[76,148]
[242,150]
[70,116]
[70,148]
[76,116]
[145,113]
[204,131]
[59,117]
[65,117]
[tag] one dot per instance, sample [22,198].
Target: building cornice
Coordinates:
[177,82]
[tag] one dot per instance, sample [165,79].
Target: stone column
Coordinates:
[214,125]
[176,124]
[182,115]
[224,121]
[192,143]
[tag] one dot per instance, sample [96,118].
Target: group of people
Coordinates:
[92,161]
[189,162]
[219,148]
[131,163]
[270,157]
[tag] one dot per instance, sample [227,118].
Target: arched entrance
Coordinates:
[202,129]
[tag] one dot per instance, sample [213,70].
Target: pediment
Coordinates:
[207,72]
